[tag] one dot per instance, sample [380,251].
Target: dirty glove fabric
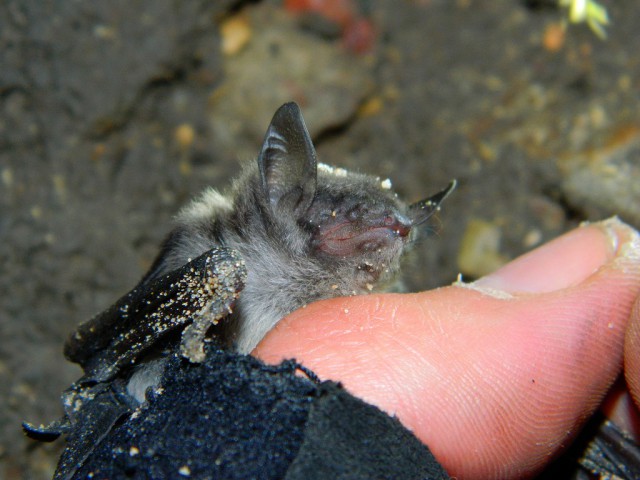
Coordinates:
[233,417]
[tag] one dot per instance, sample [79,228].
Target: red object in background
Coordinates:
[341,12]
[358,33]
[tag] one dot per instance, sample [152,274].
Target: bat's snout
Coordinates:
[398,224]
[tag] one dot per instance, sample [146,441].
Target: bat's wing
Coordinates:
[207,286]
[93,420]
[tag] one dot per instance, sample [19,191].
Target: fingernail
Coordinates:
[561,263]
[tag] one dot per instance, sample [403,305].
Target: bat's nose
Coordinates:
[399,224]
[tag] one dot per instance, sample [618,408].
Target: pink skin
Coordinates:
[495,383]
[341,237]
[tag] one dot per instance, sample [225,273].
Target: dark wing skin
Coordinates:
[92,422]
[205,287]
[208,285]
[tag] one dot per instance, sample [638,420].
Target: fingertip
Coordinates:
[565,261]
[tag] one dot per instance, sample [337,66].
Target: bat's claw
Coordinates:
[48,433]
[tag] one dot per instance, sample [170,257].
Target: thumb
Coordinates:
[496,376]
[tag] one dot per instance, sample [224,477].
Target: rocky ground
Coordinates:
[112,115]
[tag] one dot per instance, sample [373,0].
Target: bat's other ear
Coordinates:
[421,211]
[287,161]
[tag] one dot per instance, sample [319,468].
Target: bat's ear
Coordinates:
[287,161]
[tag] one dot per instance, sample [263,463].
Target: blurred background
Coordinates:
[114,114]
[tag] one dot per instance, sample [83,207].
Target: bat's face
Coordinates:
[358,223]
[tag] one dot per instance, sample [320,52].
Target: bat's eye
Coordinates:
[356,213]
[398,224]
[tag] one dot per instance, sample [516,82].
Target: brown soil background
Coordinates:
[113,115]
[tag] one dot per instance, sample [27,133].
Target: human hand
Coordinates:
[495,376]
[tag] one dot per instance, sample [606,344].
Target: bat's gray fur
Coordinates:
[305,231]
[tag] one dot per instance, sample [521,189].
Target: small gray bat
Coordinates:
[306,231]
[288,232]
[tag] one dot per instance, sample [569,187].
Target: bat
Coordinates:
[289,231]
[306,231]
